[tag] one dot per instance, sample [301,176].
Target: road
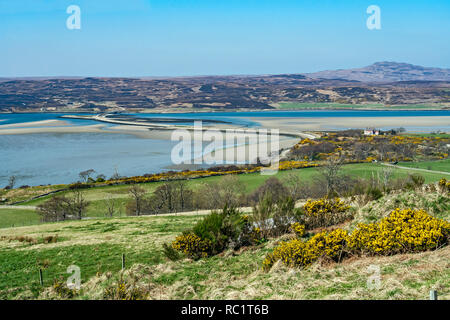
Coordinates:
[18,207]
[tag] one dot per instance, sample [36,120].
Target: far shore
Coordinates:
[429,123]
[293,127]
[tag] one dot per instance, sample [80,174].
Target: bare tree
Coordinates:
[137,194]
[111,205]
[184,195]
[294,185]
[385,176]
[116,175]
[85,175]
[12,182]
[332,174]
[78,203]
[55,209]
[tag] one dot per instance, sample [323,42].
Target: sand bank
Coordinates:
[322,124]
[42,123]
[51,129]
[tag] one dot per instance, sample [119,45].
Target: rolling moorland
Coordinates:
[370,190]
[381,85]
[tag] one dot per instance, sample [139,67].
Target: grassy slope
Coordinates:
[93,245]
[96,247]
[97,196]
[440,165]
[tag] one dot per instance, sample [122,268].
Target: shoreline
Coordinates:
[357,107]
[295,127]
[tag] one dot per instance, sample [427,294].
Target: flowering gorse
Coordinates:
[400,232]
[192,245]
[325,212]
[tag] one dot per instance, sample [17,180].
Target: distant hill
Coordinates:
[386,72]
[386,83]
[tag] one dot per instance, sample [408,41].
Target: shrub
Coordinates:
[50,239]
[373,194]
[250,235]
[217,232]
[192,245]
[62,290]
[325,212]
[444,185]
[415,181]
[171,253]
[272,188]
[124,291]
[402,231]
[298,229]
[275,218]
[220,228]
[298,253]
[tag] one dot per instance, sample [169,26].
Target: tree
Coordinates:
[228,191]
[170,197]
[55,209]
[12,182]
[85,175]
[137,193]
[385,177]
[78,204]
[272,188]
[111,205]
[116,175]
[332,174]
[294,185]
[100,178]
[184,195]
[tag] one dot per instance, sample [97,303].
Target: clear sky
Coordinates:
[209,37]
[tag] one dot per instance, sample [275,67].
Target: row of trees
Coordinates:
[178,196]
[64,207]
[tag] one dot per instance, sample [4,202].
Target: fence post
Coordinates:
[41,279]
[123,261]
[433,295]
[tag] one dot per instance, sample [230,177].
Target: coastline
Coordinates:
[342,123]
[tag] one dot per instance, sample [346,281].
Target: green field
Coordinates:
[96,246]
[440,165]
[97,196]
[372,106]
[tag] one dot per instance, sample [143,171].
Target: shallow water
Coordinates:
[52,158]
[49,158]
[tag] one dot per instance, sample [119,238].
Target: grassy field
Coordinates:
[372,106]
[96,247]
[441,165]
[97,196]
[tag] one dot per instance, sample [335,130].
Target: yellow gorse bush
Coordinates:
[325,206]
[325,212]
[297,253]
[298,229]
[444,185]
[192,245]
[402,231]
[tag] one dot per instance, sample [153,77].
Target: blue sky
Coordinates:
[189,37]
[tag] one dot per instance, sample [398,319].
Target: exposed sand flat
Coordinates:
[46,123]
[54,129]
[296,124]
[250,152]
